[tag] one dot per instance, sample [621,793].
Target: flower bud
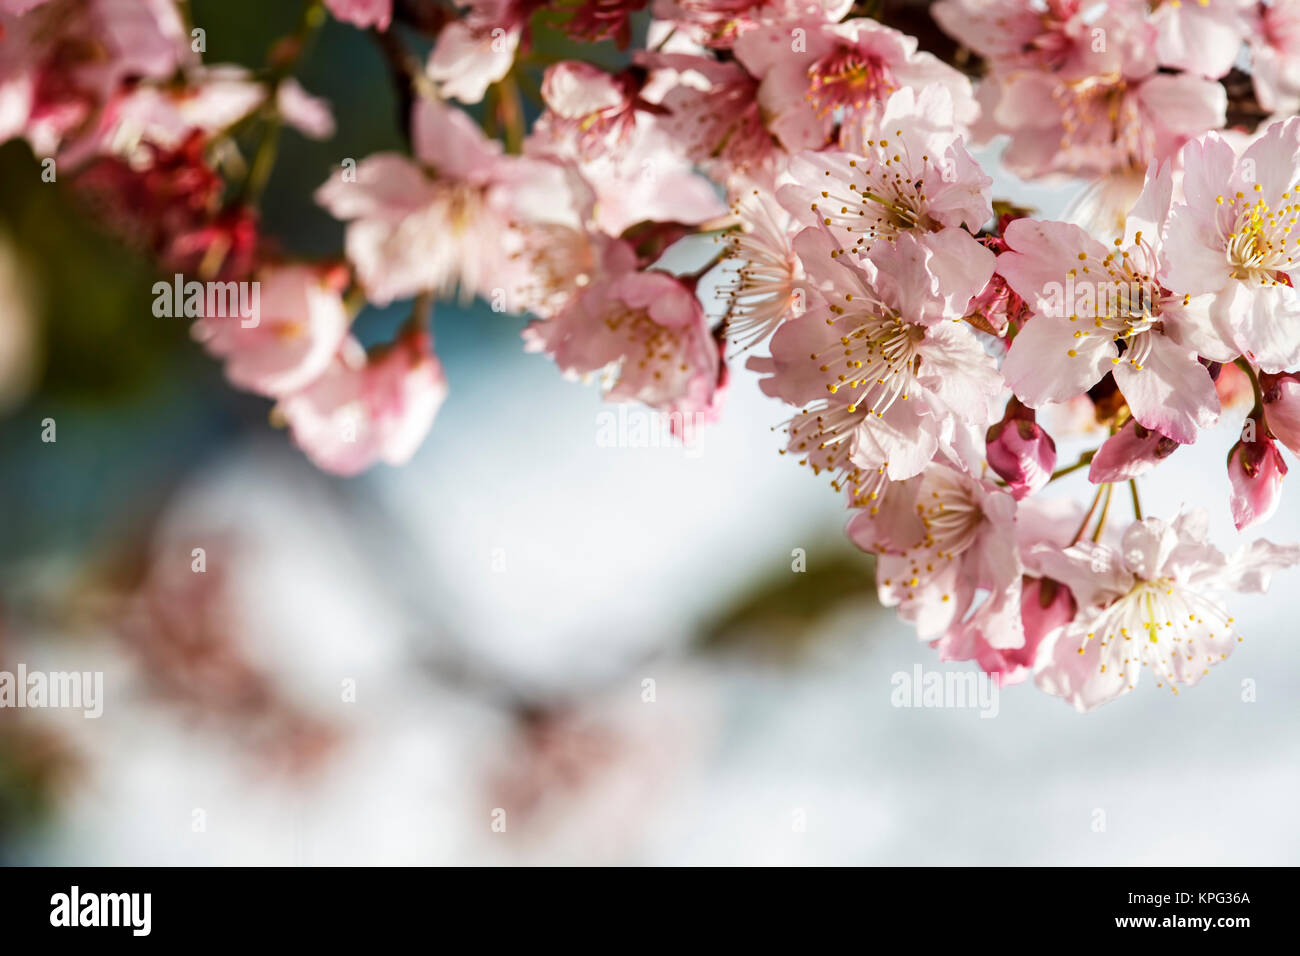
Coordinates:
[1021,451]
[1129,452]
[1282,407]
[1255,468]
[1045,605]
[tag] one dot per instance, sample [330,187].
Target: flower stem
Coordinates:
[1105,509]
[259,171]
[512,113]
[664,42]
[1246,367]
[1083,525]
[1137,504]
[1084,461]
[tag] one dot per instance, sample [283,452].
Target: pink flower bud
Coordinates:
[1045,605]
[1255,469]
[1129,452]
[1020,451]
[1282,407]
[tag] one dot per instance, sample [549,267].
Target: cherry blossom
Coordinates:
[1275,56]
[363,13]
[1152,604]
[1231,238]
[884,370]
[299,327]
[644,330]
[812,72]
[1204,36]
[436,224]
[365,409]
[1089,302]
[1281,399]
[914,179]
[796,182]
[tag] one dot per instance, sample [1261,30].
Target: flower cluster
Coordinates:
[918,328]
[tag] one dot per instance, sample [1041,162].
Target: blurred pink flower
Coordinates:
[364,409]
[1056,36]
[442,221]
[298,330]
[466,60]
[363,13]
[1204,37]
[1275,56]
[1100,125]
[714,115]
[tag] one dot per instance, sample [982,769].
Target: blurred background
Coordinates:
[528,646]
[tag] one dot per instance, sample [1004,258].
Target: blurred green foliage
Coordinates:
[100,339]
[778,615]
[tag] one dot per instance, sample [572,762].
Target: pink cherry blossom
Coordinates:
[438,223]
[1057,36]
[719,23]
[714,115]
[646,331]
[595,109]
[771,178]
[309,115]
[967,546]
[768,284]
[62,61]
[1231,238]
[363,13]
[848,69]
[1088,301]
[298,329]
[1099,126]
[365,409]
[883,377]
[468,58]
[912,180]
[1275,56]
[1046,605]
[641,178]
[211,99]
[1204,36]
[1148,604]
